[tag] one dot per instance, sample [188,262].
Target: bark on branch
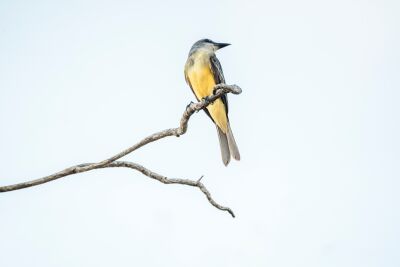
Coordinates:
[113,162]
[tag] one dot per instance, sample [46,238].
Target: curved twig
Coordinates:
[219,90]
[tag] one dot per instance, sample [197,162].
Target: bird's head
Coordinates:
[207,45]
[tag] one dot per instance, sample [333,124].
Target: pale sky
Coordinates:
[317,126]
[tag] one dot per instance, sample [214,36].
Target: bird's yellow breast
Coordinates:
[202,81]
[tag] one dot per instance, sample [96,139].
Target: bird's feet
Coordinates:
[206,99]
[218,87]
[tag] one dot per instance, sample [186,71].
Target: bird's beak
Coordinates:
[221,45]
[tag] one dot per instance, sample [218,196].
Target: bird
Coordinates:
[202,72]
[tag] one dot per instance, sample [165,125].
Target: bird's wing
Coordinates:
[216,69]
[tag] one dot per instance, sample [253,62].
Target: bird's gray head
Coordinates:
[206,45]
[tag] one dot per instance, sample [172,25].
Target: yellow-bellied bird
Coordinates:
[202,72]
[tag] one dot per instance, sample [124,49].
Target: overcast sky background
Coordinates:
[317,126]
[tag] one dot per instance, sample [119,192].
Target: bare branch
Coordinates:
[219,90]
[166,180]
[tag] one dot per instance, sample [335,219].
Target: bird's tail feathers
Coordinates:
[234,151]
[228,145]
[224,145]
